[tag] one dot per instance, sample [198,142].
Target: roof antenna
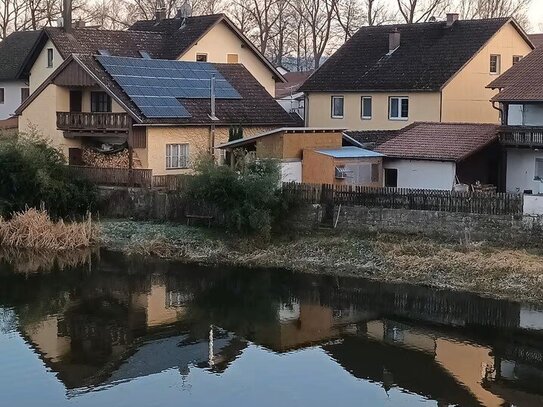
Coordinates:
[213,116]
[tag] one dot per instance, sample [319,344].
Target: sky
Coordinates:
[536,14]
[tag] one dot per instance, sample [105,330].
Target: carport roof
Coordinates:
[349,152]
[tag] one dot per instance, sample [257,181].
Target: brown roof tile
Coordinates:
[537,39]
[439,141]
[293,82]
[523,82]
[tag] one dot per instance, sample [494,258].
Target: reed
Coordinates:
[34,229]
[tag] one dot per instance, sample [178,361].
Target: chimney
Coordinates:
[393,40]
[67,14]
[451,19]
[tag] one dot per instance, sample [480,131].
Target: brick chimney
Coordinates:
[393,40]
[451,19]
[67,14]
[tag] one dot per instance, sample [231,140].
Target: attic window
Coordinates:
[495,62]
[50,57]
[104,52]
[516,58]
[201,57]
[145,55]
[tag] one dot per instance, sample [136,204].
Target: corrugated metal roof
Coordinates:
[349,152]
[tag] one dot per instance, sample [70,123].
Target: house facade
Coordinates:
[209,38]
[520,101]
[386,77]
[107,111]
[14,87]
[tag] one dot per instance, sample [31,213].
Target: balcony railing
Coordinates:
[522,136]
[92,121]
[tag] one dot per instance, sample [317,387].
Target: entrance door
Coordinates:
[76,98]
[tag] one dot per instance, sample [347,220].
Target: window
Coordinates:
[398,108]
[177,156]
[2,95]
[201,57]
[495,64]
[232,58]
[538,169]
[337,107]
[516,58]
[49,57]
[391,177]
[25,92]
[100,102]
[366,107]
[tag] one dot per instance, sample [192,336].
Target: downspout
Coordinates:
[501,111]
[212,117]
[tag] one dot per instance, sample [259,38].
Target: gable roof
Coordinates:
[293,82]
[428,56]
[255,107]
[13,52]
[523,82]
[182,33]
[439,141]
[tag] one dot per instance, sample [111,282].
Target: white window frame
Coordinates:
[334,116]
[176,158]
[202,54]
[362,107]
[400,100]
[50,57]
[498,64]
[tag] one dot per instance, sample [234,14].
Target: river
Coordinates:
[106,330]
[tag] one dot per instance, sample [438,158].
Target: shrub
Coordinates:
[249,198]
[34,174]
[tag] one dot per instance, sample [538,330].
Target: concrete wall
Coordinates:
[521,170]
[39,71]
[219,42]
[291,171]
[12,97]
[423,106]
[525,115]
[423,174]
[465,97]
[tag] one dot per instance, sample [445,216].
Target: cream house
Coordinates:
[386,77]
[101,109]
[208,38]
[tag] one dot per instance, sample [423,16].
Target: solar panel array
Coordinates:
[155,85]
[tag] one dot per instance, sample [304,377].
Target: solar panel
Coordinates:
[155,85]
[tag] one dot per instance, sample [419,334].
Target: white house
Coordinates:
[520,101]
[14,89]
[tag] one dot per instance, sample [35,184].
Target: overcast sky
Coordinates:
[536,15]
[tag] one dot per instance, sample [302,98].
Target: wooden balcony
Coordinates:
[522,136]
[91,122]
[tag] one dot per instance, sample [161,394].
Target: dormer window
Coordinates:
[50,56]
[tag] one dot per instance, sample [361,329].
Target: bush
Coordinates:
[249,198]
[34,174]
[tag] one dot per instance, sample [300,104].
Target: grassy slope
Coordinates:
[491,271]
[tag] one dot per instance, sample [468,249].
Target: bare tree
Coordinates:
[378,12]
[264,15]
[350,16]
[278,46]
[416,11]
[496,8]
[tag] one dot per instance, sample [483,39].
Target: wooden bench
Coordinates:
[209,218]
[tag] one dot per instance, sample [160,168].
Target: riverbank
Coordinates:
[510,273]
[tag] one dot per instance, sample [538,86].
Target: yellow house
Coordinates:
[209,38]
[108,111]
[386,77]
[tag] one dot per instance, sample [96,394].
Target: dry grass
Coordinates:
[33,261]
[34,229]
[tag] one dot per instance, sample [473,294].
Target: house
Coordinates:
[288,95]
[441,155]
[14,50]
[314,155]
[520,101]
[208,38]
[386,77]
[537,39]
[113,111]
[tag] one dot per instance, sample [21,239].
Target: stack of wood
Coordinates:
[488,188]
[93,158]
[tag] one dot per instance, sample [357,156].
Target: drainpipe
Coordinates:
[212,116]
[502,113]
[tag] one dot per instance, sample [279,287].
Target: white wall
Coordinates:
[12,98]
[423,174]
[294,104]
[521,170]
[525,115]
[533,205]
[39,71]
[291,171]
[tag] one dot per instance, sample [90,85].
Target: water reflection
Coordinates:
[115,320]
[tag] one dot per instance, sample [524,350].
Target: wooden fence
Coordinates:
[402,198]
[115,176]
[171,182]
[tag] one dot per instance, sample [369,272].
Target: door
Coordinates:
[76,97]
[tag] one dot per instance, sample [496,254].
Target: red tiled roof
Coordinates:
[523,82]
[439,141]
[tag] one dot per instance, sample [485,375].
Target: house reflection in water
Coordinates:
[111,327]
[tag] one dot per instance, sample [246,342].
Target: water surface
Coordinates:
[109,331]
